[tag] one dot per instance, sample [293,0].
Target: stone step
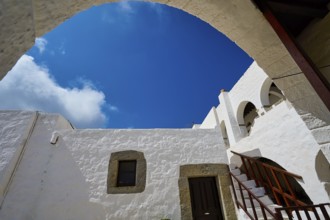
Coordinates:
[258,192]
[232,166]
[248,183]
[236,172]
[242,177]
[259,213]
[264,199]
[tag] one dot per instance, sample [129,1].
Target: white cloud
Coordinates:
[157,7]
[61,49]
[41,43]
[125,6]
[31,87]
[113,108]
[105,17]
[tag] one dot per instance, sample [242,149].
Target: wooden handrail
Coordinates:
[270,173]
[270,166]
[251,198]
[282,191]
[308,210]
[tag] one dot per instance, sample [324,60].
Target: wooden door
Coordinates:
[204,199]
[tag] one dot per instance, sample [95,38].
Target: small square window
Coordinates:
[126,173]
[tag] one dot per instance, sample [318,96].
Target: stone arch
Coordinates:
[236,20]
[241,21]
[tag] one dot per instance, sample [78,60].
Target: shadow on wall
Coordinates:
[67,194]
[322,167]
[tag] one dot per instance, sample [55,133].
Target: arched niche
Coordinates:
[224,133]
[246,114]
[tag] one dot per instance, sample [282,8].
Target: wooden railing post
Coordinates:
[289,198]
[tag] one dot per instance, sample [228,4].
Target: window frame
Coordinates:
[113,172]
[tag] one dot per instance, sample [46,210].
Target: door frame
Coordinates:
[221,174]
[195,187]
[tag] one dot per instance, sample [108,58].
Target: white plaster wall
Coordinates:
[281,135]
[278,134]
[14,130]
[211,120]
[248,88]
[68,180]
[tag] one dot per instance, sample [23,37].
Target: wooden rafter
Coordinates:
[298,9]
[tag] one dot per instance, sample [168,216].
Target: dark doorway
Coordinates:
[204,199]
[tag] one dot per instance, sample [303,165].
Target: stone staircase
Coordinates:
[253,201]
[258,192]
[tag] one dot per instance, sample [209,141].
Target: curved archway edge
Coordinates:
[22,21]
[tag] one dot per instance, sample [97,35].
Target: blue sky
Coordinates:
[126,65]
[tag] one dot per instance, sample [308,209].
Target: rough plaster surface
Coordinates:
[211,120]
[68,180]
[278,134]
[248,88]
[14,130]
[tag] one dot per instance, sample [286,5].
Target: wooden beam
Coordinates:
[295,9]
[311,72]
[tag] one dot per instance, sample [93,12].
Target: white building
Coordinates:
[49,170]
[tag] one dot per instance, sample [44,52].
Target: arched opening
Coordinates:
[249,115]
[224,133]
[275,95]
[162,60]
[21,23]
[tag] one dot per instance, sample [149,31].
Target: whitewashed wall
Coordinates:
[14,130]
[211,120]
[248,88]
[68,180]
[278,134]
